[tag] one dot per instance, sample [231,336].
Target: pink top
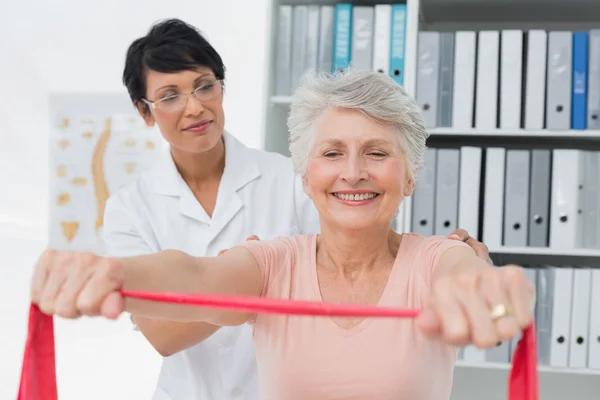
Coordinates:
[313,358]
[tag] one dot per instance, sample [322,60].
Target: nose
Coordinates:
[355,170]
[194,106]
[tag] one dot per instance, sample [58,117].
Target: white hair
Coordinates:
[375,94]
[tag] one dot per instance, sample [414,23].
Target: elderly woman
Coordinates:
[357,139]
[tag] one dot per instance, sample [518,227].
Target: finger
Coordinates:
[496,294]
[429,322]
[40,275]
[459,234]
[112,306]
[520,293]
[102,282]
[66,302]
[252,237]
[454,324]
[483,331]
[221,252]
[481,250]
[57,274]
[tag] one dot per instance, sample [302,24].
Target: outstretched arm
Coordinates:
[124,238]
[74,284]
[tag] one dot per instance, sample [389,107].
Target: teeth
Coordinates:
[354,197]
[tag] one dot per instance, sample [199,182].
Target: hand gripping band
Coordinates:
[38,374]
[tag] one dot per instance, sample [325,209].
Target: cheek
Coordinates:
[393,176]
[168,122]
[320,176]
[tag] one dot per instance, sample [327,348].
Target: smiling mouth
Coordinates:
[355,196]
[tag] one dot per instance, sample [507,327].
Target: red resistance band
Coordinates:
[38,374]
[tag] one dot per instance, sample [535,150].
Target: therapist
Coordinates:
[209,193]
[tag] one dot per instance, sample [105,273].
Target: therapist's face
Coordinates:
[196,127]
[356,173]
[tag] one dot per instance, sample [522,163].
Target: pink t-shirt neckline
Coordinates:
[364,324]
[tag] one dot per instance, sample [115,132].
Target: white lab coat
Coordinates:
[259,195]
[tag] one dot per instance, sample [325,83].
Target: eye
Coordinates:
[206,88]
[170,99]
[331,154]
[377,154]
[168,96]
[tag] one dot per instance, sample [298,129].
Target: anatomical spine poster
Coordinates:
[98,143]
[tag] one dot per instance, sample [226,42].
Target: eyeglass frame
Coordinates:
[155,104]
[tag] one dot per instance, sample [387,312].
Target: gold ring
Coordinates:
[500,310]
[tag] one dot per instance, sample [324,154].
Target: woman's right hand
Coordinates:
[71,284]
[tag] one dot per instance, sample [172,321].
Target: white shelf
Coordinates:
[545,255]
[476,381]
[542,369]
[547,251]
[543,133]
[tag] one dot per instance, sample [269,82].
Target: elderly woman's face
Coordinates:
[356,173]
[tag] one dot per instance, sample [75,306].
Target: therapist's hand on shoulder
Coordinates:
[71,284]
[480,248]
[252,237]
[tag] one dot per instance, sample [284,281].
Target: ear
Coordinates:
[305,186]
[409,188]
[144,111]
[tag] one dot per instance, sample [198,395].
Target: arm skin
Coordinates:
[123,238]
[171,337]
[236,272]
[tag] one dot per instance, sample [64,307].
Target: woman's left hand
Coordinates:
[479,306]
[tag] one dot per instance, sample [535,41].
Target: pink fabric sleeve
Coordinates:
[272,256]
[433,249]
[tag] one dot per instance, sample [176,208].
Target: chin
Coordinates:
[356,222]
[204,143]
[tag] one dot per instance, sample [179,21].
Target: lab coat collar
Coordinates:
[240,169]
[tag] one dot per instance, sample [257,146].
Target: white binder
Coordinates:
[511,69]
[561,316]
[428,76]
[382,37]
[468,194]
[488,56]
[516,198]
[493,198]
[464,79]
[535,80]
[594,324]
[559,80]
[326,36]
[564,204]
[283,78]
[580,314]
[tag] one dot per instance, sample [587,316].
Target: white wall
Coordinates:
[79,46]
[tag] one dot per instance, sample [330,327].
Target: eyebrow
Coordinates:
[175,86]
[370,142]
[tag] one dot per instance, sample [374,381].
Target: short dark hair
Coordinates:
[170,46]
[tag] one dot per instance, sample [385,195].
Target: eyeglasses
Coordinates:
[205,92]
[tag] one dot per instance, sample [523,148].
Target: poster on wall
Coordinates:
[98,144]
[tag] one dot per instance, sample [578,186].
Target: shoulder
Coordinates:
[129,194]
[277,259]
[271,164]
[132,199]
[281,248]
[430,244]
[427,251]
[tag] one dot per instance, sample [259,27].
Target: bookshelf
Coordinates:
[475,379]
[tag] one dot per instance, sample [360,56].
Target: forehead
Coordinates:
[182,79]
[344,126]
